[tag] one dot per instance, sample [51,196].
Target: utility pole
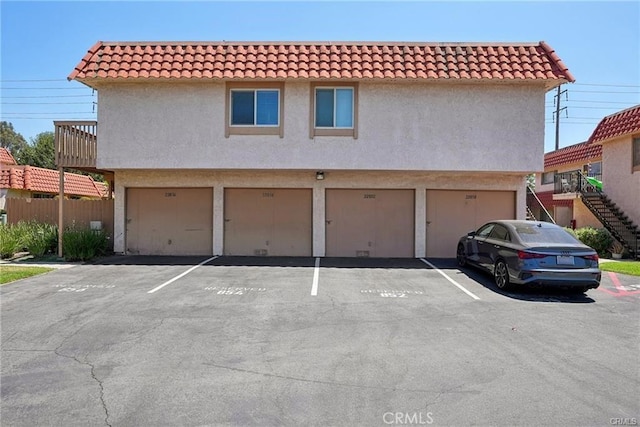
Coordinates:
[556,102]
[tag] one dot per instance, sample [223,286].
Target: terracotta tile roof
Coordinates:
[40,180]
[572,154]
[546,197]
[321,60]
[624,122]
[6,158]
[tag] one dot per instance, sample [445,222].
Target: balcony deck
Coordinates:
[76,144]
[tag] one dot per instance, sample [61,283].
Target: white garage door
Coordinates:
[169,221]
[267,221]
[452,214]
[370,223]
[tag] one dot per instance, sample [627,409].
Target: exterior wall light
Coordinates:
[320,175]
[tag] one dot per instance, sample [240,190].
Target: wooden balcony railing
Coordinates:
[76,143]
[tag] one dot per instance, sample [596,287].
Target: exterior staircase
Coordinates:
[611,216]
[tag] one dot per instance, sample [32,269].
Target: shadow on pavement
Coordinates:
[522,293]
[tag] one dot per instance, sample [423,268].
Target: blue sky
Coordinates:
[41,42]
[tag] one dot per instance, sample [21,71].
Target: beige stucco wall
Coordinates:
[619,181]
[218,180]
[402,126]
[583,215]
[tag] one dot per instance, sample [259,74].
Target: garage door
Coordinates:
[267,221]
[169,221]
[370,223]
[452,214]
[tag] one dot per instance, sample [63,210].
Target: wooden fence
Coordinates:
[78,213]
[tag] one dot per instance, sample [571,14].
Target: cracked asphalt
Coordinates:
[243,342]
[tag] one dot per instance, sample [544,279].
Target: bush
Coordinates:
[84,244]
[9,241]
[597,238]
[33,237]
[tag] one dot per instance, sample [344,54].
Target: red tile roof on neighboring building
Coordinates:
[322,60]
[572,154]
[40,180]
[622,123]
[546,198]
[6,158]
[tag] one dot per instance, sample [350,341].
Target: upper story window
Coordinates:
[636,154]
[593,169]
[334,110]
[254,109]
[548,177]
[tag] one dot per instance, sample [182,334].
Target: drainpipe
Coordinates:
[60,211]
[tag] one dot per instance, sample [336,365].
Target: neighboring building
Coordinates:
[619,136]
[312,149]
[611,155]
[566,207]
[23,181]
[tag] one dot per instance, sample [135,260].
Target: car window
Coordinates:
[500,233]
[485,230]
[544,234]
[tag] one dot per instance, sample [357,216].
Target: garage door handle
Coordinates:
[329,222]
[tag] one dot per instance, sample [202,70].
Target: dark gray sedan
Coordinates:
[530,253]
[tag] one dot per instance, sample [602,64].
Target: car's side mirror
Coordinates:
[471,234]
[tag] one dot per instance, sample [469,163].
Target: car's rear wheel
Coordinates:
[501,275]
[461,256]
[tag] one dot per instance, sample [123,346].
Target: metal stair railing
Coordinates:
[613,219]
[533,193]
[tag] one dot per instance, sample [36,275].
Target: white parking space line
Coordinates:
[462,288]
[181,275]
[316,274]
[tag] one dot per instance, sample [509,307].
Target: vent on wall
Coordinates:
[362,254]
[260,252]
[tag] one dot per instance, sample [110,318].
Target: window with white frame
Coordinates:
[254,109]
[334,109]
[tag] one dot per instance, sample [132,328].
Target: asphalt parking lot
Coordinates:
[192,341]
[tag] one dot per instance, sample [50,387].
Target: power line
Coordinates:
[37,80]
[44,88]
[606,85]
[48,96]
[597,91]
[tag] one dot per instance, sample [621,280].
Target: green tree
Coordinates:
[41,151]
[11,140]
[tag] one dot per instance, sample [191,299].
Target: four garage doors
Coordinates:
[279,221]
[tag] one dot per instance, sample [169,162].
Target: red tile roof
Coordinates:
[6,158]
[40,180]
[546,198]
[572,154]
[622,123]
[322,60]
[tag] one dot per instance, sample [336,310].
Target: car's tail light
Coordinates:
[593,257]
[529,255]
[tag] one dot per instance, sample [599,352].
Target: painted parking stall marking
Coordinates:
[621,290]
[81,288]
[316,275]
[231,290]
[456,284]
[391,293]
[179,276]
